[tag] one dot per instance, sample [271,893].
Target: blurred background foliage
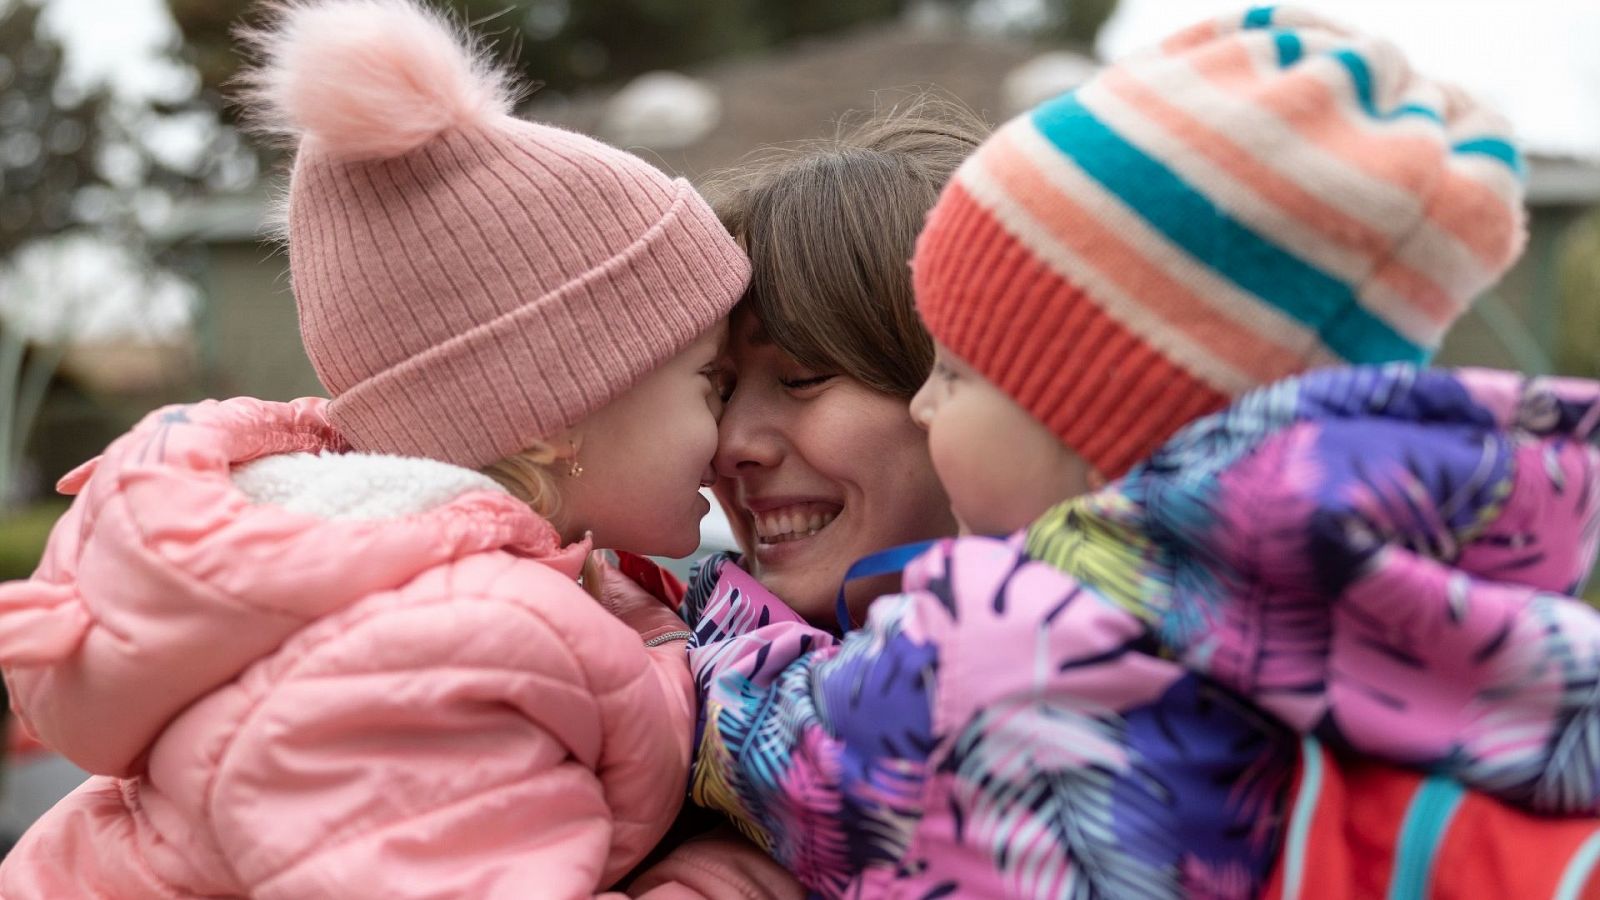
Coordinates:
[105,190]
[569,44]
[100,180]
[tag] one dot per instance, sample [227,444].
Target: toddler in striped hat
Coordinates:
[1259,196]
[1255,570]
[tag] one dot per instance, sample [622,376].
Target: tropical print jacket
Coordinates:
[1112,702]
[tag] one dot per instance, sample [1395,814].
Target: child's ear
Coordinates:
[1096,480]
[564,446]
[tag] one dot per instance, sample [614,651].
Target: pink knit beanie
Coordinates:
[468,282]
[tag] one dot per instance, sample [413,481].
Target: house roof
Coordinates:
[800,91]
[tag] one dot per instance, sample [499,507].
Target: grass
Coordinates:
[22,537]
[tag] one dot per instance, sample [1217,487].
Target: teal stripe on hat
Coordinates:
[1361,75]
[1495,148]
[1200,228]
[1259,17]
[1289,48]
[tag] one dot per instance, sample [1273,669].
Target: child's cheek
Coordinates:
[955,461]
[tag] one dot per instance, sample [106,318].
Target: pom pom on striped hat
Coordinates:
[1261,194]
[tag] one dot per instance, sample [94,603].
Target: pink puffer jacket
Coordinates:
[330,675]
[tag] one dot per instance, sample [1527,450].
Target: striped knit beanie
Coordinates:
[1262,194]
[468,282]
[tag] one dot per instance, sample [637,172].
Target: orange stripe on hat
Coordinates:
[1404,159]
[1292,199]
[1047,344]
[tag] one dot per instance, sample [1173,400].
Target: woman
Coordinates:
[819,463]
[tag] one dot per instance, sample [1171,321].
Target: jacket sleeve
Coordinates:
[665,638]
[452,747]
[797,726]
[719,865]
[1403,597]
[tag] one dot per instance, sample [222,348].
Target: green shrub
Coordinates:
[22,536]
[1578,347]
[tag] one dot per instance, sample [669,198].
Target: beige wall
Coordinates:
[1529,295]
[249,335]
[250,340]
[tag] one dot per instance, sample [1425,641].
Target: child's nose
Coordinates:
[922,404]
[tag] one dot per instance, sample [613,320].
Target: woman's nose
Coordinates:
[747,436]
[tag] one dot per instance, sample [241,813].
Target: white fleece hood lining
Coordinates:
[356,485]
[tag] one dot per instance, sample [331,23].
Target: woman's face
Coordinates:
[815,471]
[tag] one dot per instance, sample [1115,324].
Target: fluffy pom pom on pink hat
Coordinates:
[467,282]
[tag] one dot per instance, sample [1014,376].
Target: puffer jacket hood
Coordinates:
[170,578]
[300,672]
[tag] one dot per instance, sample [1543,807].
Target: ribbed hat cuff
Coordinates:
[1108,395]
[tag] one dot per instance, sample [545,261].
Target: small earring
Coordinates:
[573,469]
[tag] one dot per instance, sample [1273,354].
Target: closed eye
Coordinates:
[800,384]
[721,381]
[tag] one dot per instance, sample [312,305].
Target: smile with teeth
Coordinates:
[791,523]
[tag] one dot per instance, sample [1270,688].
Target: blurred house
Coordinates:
[247,331]
[1517,325]
[802,91]
[246,328]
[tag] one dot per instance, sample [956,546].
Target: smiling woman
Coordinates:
[819,462]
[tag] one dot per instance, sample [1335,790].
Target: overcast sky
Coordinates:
[1538,61]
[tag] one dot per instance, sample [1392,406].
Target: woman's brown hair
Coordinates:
[830,228]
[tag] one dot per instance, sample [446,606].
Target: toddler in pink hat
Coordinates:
[358,647]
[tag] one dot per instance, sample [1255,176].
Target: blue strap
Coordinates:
[1421,833]
[1297,842]
[884,562]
